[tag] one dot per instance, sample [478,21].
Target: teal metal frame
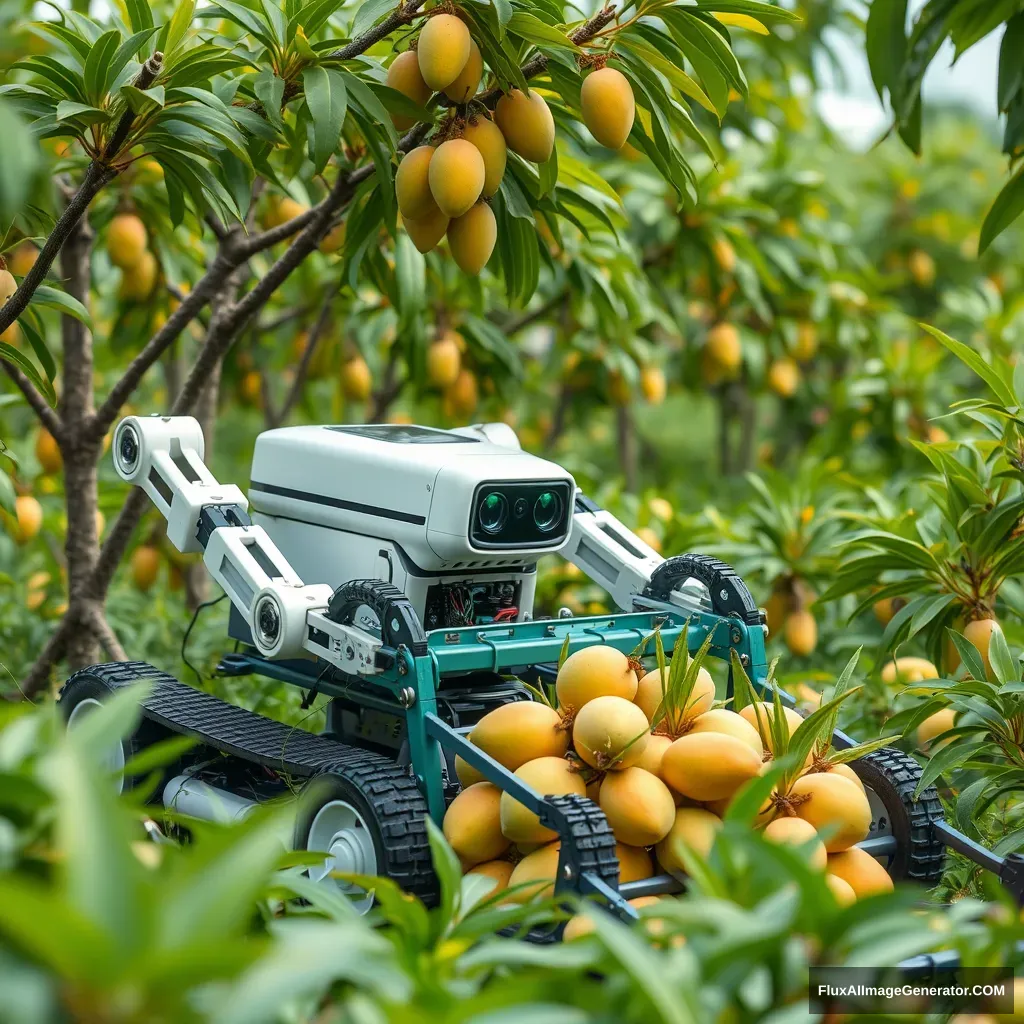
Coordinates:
[504,647]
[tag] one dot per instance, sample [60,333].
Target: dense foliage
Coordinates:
[739,333]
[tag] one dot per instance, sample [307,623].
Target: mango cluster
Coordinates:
[128,249]
[443,187]
[664,782]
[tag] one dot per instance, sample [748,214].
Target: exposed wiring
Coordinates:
[184,639]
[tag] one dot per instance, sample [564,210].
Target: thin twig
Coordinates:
[40,406]
[295,391]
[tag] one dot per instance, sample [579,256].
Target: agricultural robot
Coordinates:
[391,568]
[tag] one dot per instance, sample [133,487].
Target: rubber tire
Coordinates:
[390,803]
[893,775]
[85,684]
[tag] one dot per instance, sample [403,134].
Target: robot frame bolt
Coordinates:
[407,696]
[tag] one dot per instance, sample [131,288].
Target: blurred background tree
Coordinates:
[755,313]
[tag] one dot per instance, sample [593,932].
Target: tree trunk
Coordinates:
[724,420]
[748,428]
[81,450]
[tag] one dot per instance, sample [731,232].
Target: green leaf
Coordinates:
[927,612]
[709,54]
[547,173]
[67,304]
[68,82]
[177,29]
[313,16]
[140,14]
[745,806]
[104,879]
[246,19]
[100,58]
[143,101]
[269,91]
[327,99]
[214,899]
[382,165]
[125,52]
[8,496]
[503,11]
[361,96]
[19,163]
[369,13]
[449,874]
[766,12]
[32,328]
[886,41]
[995,377]
[1011,67]
[9,354]
[671,1004]
[51,931]
[1000,658]
[1005,209]
[679,79]
[969,654]
[929,30]
[533,30]
[951,756]
[70,110]
[860,750]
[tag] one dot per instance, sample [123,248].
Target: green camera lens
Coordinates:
[493,512]
[547,511]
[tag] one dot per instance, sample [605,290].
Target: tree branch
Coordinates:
[40,406]
[98,174]
[190,306]
[295,391]
[105,635]
[95,178]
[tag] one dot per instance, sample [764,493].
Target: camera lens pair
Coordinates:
[493,513]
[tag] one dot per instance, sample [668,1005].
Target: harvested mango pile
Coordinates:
[664,761]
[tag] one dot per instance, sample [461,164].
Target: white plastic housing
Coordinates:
[417,495]
[167,464]
[611,555]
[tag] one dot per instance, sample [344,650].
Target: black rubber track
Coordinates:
[85,684]
[592,845]
[392,796]
[893,775]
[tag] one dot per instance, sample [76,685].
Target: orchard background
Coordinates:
[741,333]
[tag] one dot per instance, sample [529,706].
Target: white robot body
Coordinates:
[412,485]
[456,520]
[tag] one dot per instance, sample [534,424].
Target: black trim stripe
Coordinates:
[349,506]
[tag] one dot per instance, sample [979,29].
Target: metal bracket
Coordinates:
[345,647]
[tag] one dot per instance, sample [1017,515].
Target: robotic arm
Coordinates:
[610,553]
[164,456]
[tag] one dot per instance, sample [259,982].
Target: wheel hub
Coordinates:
[339,829]
[112,760]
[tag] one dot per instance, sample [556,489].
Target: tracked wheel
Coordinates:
[87,690]
[370,819]
[891,776]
